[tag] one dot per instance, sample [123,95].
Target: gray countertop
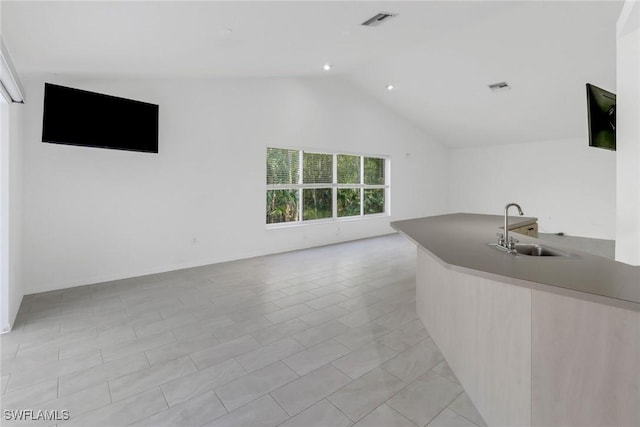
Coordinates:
[461,241]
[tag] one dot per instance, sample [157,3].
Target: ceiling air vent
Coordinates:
[497,87]
[374,21]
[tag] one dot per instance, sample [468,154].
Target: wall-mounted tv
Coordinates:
[601,110]
[89,119]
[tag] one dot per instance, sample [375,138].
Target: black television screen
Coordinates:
[601,109]
[78,117]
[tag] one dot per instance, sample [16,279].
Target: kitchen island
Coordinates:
[535,341]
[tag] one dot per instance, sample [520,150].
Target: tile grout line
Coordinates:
[403,416]
[165,398]
[278,403]
[225,406]
[110,394]
[451,409]
[339,410]
[466,418]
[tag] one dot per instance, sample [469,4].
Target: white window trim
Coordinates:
[334,185]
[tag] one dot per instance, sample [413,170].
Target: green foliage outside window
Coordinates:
[348,202]
[282,166]
[317,168]
[373,201]
[282,206]
[318,203]
[373,171]
[348,169]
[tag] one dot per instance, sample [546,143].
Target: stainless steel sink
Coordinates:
[534,249]
[540,250]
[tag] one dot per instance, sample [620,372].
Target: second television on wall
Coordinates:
[601,111]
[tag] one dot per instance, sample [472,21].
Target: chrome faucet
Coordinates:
[504,241]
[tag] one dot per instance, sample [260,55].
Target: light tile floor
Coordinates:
[325,337]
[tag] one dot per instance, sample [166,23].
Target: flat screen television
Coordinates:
[601,110]
[89,119]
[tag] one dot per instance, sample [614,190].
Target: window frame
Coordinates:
[334,186]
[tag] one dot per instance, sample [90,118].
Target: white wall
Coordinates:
[567,185]
[5,324]
[16,113]
[93,215]
[628,136]
[11,213]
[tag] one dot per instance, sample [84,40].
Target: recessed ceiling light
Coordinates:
[326,67]
[390,87]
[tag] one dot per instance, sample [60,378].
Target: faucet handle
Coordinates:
[500,239]
[512,243]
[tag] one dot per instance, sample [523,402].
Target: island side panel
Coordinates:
[483,329]
[585,363]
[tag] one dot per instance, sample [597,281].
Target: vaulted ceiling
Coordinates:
[439,55]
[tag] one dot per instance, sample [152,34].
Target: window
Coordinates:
[307,186]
